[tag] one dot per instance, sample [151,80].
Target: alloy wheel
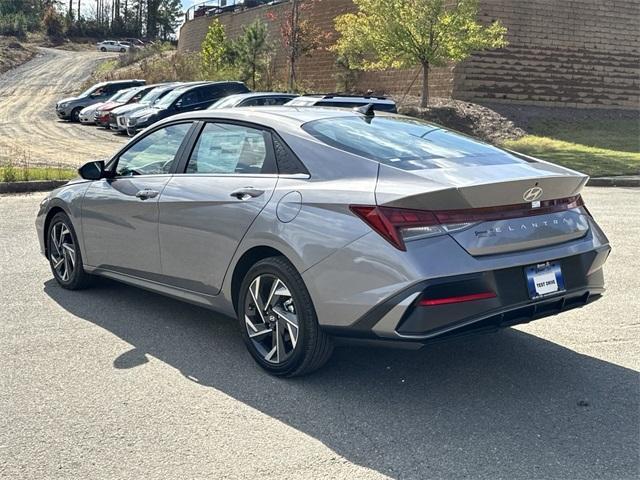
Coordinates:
[271,319]
[63,251]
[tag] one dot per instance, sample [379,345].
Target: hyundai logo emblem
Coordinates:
[533,194]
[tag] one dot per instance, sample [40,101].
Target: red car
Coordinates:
[130,95]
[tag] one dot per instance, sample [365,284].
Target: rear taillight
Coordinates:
[399,224]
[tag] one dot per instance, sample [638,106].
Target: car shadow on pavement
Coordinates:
[507,405]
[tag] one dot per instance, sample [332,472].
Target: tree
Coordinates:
[386,34]
[299,36]
[169,13]
[52,23]
[214,49]
[251,50]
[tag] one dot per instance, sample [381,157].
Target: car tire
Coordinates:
[65,257]
[284,337]
[75,114]
[103,49]
[123,50]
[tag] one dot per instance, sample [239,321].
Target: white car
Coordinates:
[87,115]
[112,46]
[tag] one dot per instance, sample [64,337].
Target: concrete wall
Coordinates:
[579,53]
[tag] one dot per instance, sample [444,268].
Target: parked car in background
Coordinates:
[87,115]
[131,95]
[313,223]
[340,100]
[69,108]
[135,42]
[113,46]
[183,99]
[119,115]
[254,99]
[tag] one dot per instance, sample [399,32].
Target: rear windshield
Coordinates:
[382,107]
[405,143]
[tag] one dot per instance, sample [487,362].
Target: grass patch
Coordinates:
[11,173]
[106,67]
[597,148]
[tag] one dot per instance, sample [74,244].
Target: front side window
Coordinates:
[226,148]
[153,154]
[404,143]
[189,98]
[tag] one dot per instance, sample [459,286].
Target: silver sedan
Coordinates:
[312,224]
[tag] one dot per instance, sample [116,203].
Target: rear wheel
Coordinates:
[64,254]
[122,50]
[75,114]
[103,49]
[278,321]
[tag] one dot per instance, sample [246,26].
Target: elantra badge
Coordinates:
[533,194]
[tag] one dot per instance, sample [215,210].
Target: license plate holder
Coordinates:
[544,279]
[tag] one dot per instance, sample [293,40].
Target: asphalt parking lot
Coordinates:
[116,382]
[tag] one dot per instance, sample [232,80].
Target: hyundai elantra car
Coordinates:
[315,224]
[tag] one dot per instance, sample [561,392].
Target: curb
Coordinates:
[32,186]
[630,181]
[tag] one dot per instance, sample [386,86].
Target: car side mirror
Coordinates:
[92,170]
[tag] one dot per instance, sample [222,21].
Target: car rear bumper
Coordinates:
[402,317]
[372,290]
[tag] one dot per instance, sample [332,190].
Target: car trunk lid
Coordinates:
[508,207]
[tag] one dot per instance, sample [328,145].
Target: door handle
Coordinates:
[146,193]
[246,193]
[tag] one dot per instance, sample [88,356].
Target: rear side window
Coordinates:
[227,148]
[405,143]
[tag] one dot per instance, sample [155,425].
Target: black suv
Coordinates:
[69,108]
[183,99]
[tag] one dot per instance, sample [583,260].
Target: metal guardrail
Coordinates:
[210,8]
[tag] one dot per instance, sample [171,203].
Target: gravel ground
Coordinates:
[115,382]
[29,127]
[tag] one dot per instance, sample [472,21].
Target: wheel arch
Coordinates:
[245,262]
[53,211]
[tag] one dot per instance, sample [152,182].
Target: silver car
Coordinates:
[112,46]
[311,224]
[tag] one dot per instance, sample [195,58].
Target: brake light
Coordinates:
[399,224]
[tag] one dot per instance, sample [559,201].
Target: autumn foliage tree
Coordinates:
[300,37]
[384,34]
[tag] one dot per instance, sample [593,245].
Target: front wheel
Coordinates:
[103,49]
[75,114]
[278,321]
[64,254]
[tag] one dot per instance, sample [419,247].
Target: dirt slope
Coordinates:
[28,123]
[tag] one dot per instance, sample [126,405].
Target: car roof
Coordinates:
[346,98]
[187,87]
[242,96]
[272,116]
[114,82]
